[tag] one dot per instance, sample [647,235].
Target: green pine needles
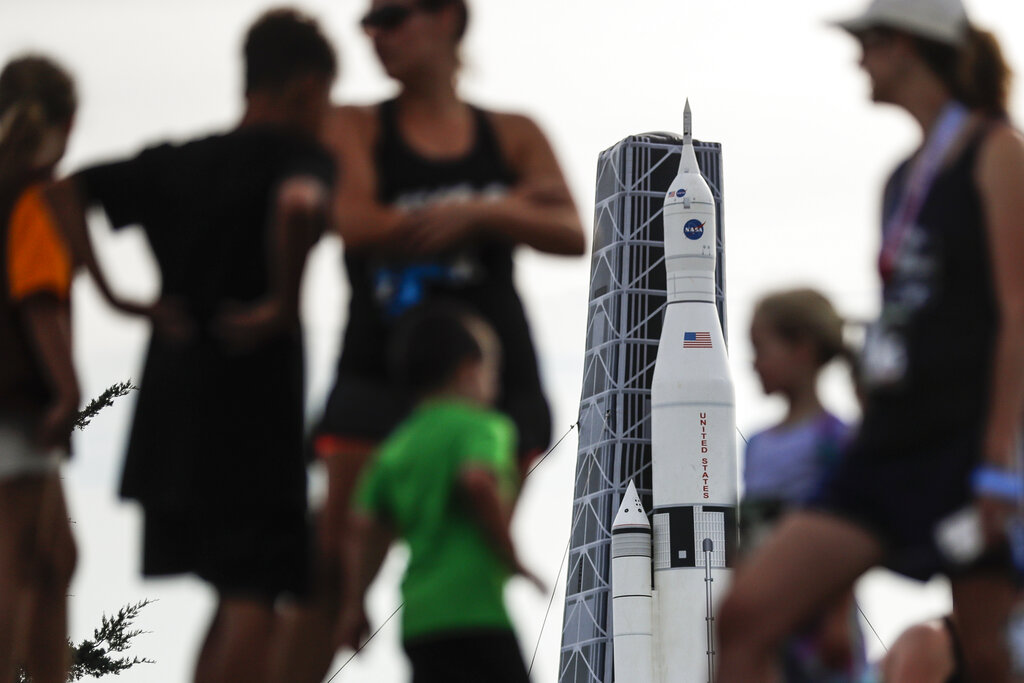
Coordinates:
[100,655]
[104,400]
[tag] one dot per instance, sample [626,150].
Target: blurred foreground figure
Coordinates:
[38,390]
[434,196]
[444,482]
[942,370]
[215,456]
[795,333]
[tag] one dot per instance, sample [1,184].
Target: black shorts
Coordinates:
[363,410]
[758,519]
[467,657]
[899,481]
[259,554]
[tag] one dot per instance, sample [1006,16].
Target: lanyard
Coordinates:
[944,133]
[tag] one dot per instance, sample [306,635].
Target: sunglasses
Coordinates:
[388,17]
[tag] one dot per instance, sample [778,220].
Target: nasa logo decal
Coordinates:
[693,229]
[680,192]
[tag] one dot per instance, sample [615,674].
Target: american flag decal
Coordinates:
[696,340]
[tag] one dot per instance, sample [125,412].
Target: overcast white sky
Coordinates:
[804,158]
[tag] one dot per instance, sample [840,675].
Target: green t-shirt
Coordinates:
[455,579]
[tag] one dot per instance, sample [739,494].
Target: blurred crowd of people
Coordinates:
[437,408]
[430,196]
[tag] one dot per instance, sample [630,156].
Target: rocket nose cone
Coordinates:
[631,510]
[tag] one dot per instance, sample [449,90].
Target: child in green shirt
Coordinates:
[444,481]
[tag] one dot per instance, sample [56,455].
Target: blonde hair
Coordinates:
[805,314]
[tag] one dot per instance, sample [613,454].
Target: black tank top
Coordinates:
[480,274]
[939,316]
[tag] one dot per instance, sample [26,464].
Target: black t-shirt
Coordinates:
[205,206]
[213,424]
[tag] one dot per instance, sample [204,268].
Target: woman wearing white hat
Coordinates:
[930,482]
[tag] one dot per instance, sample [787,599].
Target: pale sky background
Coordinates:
[805,155]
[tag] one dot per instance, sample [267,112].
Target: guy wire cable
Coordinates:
[551,600]
[554,588]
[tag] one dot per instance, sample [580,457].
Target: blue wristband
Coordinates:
[997,483]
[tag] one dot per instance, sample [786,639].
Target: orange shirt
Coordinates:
[37,257]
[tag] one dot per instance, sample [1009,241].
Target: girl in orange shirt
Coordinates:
[38,391]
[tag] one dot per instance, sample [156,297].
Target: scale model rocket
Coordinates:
[668,634]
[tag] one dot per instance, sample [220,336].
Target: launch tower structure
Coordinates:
[627,297]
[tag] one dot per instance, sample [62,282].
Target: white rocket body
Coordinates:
[694,475]
[632,621]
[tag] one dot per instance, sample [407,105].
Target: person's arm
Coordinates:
[363,552]
[480,487]
[538,212]
[362,221]
[49,329]
[67,203]
[1000,176]
[300,213]
[302,210]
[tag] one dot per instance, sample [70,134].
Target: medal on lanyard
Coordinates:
[924,168]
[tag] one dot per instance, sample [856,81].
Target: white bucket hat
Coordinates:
[944,21]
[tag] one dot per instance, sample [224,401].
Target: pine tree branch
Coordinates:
[104,400]
[94,657]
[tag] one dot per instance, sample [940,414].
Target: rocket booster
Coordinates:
[694,472]
[631,591]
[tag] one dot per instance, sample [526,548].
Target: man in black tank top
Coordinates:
[434,197]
